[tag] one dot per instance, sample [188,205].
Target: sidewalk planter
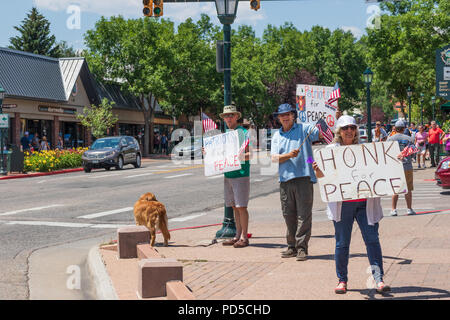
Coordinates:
[52,160]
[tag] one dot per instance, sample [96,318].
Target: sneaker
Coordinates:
[302,256]
[410,212]
[418,167]
[289,253]
[394,213]
[341,288]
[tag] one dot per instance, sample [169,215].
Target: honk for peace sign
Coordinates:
[360,171]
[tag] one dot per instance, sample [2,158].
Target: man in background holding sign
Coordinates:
[291,149]
[237,183]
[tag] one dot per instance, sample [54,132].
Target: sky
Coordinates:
[70,19]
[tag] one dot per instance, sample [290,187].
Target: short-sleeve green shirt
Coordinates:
[245,165]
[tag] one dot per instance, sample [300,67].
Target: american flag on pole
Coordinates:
[245,144]
[325,131]
[207,123]
[335,94]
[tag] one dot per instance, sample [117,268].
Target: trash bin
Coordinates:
[6,160]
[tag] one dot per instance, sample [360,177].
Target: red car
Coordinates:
[442,174]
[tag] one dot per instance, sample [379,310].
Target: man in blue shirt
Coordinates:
[292,149]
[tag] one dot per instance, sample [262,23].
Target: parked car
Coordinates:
[111,152]
[188,148]
[363,135]
[442,173]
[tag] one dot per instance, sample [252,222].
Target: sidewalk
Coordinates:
[416,254]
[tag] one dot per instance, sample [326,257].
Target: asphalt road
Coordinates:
[42,218]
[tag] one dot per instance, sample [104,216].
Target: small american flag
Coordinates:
[325,130]
[245,144]
[335,94]
[207,123]
[409,150]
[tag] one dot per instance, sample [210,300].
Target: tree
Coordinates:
[35,36]
[98,118]
[193,79]
[135,53]
[401,51]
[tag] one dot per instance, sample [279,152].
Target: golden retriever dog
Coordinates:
[151,213]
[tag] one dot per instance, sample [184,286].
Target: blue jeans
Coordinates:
[343,234]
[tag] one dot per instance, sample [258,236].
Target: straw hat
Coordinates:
[230,110]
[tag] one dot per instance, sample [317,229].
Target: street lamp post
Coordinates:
[433,100]
[2,162]
[421,108]
[409,92]
[368,76]
[226,12]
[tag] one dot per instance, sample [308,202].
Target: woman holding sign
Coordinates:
[367,213]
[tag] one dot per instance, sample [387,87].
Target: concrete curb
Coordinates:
[40,174]
[102,282]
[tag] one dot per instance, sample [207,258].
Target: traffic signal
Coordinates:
[158,8]
[148,8]
[254,4]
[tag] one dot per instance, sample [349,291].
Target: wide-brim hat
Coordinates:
[230,110]
[284,108]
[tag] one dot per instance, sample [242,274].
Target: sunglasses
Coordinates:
[353,128]
[231,115]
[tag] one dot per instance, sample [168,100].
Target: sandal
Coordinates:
[382,288]
[241,243]
[341,288]
[229,242]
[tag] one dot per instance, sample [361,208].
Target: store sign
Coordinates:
[443,72]
[57,110]
[9,106]
[4,120]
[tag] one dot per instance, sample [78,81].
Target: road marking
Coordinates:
[51,224]
[182,219]
[105,213]
[179,175]
[30,209]
[42,181]
[106,175]
[67,224]
[140,175]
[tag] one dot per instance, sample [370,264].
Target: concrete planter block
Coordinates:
[154,273]
[177,290]
[146,251]
[129,238]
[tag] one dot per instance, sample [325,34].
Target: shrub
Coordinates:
[46,161]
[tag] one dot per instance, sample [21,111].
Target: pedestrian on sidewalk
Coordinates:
[404,142]
[446,142]
[44,144]
[366,212]
[421,138]
[25,142]
[435,135]
[237,183]
[291,147]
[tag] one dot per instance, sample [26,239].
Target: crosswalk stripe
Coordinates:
[105,213]
[30,209]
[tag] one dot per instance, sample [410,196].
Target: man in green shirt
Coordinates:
[237,183]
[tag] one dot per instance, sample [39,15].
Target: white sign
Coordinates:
[446,73]
[222,153]
[311,104]
[4,120]
[360,171]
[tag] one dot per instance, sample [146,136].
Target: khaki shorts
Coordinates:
[409,180]
[237,192]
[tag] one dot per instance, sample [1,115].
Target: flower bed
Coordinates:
[46,161]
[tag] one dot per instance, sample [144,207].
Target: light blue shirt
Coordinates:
[285,142]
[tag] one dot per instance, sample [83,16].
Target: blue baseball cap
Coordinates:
[285,108]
